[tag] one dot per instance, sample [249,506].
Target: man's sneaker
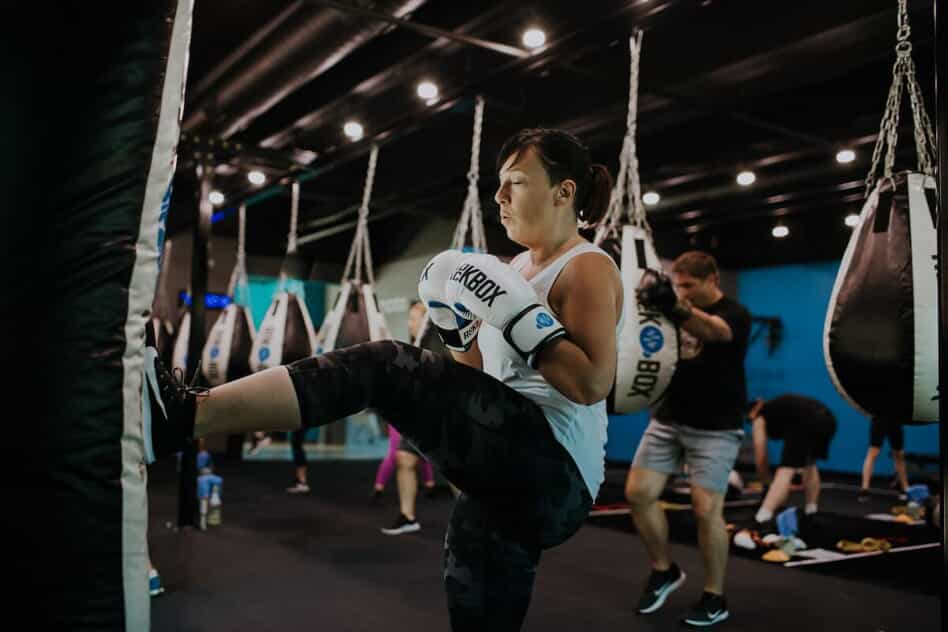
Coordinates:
[402,525]
[154,583]
[660,585]
[167,409]
[711,610]
[297,487]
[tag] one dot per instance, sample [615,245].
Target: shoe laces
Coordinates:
[174,385]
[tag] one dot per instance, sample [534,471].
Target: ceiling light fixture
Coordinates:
[534,37]
[780,231]
[651,198]
[216,198]
[256,177]
[845,156]
[427,90]
[851,220]
[353,130]
[746,178]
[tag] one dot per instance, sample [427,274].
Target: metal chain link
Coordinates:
[902,71]
[626,196]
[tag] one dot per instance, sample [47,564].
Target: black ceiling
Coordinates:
[777,85]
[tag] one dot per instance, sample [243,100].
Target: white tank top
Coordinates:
[579,428]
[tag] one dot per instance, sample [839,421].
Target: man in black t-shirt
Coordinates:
[806,427]
[699,423]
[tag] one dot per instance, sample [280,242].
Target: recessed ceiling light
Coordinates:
[216,198]
[845,156]
[534,38]
[353,130]
[851,220]
[746,178]
[779,231]
[256,177]
[651,198]
[427,90]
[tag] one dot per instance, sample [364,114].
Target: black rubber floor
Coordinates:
[319,562]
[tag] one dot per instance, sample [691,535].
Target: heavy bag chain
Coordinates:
[626,195]
[903,71]
[361,247]
[471,215]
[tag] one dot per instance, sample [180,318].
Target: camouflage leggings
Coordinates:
[521,490]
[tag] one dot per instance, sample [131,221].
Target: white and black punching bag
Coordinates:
[286,333]
[179,350]
[881,332]
[648,342]
[227,351]
[81,252]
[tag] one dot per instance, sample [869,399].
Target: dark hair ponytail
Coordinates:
[564,157]
[597,196]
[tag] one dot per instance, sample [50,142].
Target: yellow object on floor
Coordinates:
[776,555]
[866,545]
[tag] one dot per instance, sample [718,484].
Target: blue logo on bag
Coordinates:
[544,320]
[264,353]
[651,339]
[215,351]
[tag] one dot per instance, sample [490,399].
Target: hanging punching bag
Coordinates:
[648,342]
[179,351]
[881,330]
[880,337]
[227,351]
[226,354]
[286,333]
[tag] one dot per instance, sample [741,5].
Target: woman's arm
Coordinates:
[586,298]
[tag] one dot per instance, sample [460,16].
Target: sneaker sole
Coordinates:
[150,385]
[401,530]
[661,598]
[705,623]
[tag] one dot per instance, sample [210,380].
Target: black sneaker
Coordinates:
[402,525]
[167,409]
[660,585]
[863,495]
[711,610]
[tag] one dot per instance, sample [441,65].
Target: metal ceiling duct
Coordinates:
[305,42]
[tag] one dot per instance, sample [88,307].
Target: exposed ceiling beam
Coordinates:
[430,31]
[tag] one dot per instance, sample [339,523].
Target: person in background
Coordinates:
[881,429]
[407,456]
[698,424]
[806,427]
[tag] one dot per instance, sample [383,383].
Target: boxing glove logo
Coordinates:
[477,283]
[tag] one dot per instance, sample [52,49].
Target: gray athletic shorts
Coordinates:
[709,454]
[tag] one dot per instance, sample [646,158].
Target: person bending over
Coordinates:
[806,427]
[517,423]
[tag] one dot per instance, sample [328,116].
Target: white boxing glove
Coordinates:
[457,329]
[491,290]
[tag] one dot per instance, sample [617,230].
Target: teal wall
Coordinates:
[799,296]
[262,288]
